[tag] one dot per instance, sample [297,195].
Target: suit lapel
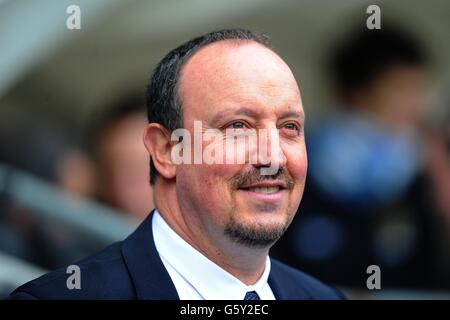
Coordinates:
[150,277]
[282,285]
[152,281]
[275,286]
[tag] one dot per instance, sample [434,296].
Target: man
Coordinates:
[121,158]
[214,224]
[355,204]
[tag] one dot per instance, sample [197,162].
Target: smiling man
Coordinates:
[214,223]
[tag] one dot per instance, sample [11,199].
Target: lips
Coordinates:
[266,187]
[265,190]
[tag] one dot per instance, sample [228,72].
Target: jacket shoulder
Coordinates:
[299,285]
[102,276]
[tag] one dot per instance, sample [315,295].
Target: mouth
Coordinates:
[265,191]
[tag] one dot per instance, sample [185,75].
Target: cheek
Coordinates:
[297,163]
[208,191]
[196,189]
[209,181]
[219,176]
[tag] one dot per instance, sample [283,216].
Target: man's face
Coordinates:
[398,96]
[123,160]
[243,86]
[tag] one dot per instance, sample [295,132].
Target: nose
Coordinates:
[270,156]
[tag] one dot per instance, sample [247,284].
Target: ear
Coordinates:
[158,144]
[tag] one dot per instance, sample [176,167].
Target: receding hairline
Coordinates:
[229,45]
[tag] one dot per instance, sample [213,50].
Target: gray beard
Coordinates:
[254,237]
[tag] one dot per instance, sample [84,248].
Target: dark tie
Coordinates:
[251,295]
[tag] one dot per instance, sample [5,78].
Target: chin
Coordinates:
[264,217]
[257,230]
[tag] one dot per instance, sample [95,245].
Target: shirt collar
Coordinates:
[207,278]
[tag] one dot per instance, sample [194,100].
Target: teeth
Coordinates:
[265,190]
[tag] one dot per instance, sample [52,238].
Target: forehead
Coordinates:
[228,73]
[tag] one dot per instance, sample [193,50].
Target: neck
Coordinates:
[245,263]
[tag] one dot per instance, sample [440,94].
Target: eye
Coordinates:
[291,126]
[237,125]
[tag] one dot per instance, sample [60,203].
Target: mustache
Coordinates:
[253,175]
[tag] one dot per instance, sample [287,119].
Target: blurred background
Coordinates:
[74,172]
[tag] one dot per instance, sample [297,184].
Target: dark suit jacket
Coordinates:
[132,269]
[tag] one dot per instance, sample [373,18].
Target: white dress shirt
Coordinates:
[195,276]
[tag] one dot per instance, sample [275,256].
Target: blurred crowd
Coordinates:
[378,186]
[109,165]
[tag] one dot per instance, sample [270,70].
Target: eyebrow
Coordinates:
[244,111]
[293,114]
